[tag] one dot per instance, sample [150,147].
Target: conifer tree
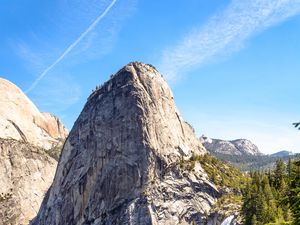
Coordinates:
[254,220]
[279,176]
[289,168]
[295,193]
[270,210]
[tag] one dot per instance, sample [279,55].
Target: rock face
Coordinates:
[235,147]
[26,169]
[26,173]
[21,120]
[121,161]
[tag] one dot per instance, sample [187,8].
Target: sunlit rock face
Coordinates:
[234,147]
[121,161]
[21,120]
[26,169]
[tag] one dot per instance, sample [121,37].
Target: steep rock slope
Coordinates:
[235,147]
[26,172]
[121,161]
[21,120]
[27,137]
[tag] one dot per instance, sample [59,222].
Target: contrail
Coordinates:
[70,48]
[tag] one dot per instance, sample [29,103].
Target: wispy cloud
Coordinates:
[72,46]
[225,33]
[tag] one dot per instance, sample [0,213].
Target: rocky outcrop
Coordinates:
[228,214]
[121,161]
[235,147]
[27,137]
[26,173]
[21,120]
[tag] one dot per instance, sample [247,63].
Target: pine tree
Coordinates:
[297,125]
[270,210]
[294,197]
[279,174]
[247,207]
[261,207]
[270,177]
[254,220]
[295,193]
[267,189]
[289,168]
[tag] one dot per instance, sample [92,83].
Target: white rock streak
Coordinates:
[228,220]
[71,47]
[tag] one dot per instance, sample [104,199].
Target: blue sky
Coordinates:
[233,65]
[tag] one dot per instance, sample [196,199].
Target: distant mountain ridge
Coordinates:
[233,147]
[243,153]
[282,153]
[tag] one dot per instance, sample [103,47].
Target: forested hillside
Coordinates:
[273,197]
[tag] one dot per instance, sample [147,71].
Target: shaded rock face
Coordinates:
[21,120]
[120,163]
[235,147]
[26,173]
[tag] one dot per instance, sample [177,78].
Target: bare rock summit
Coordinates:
[238,147]
[121,161]
[21,120]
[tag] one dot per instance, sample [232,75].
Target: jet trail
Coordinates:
[70,48]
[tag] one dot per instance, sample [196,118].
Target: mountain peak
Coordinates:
[233,147]
[133,72]
[283,153]
[11,94]
[21,120]
[123,153]
[141,67]
[142,91]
